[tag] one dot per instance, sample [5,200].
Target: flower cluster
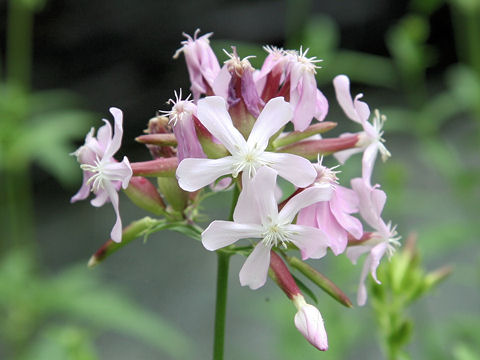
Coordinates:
[235,133]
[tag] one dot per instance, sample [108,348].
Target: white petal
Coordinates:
[193,174]
[311,241]
[376,255]
[305,198]
[255,269]
[276,113]
[244,211]
[223,233]
[263,188]
[355,251]
[344,155]
[212,113]
[296,169]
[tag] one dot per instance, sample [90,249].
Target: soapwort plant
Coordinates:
[242,130]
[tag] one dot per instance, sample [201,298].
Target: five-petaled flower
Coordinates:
[256,216]
[247,156]
[102,174]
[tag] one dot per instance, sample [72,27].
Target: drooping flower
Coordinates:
[256,216]
[370,140]
[181,119]
[102,174]
[333,216]
[383,240]
[309,322]
[247,156]
[202,64]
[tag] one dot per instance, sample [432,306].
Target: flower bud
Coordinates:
[144,194]
[309,322]
[310,149]
[163,167]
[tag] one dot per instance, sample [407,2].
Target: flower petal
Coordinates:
[296,169]
[311,241]
[276,113]
[114,145]
[116,232]
[368,161]
[357,111]
[212,113]
[223,233]
[305,198]
[255,269]
[193,174]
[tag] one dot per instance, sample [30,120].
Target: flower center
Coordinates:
[180,108]
[276,235]
[98,177]
[308,63]
[237,65]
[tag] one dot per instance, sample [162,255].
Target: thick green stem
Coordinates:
[222,287]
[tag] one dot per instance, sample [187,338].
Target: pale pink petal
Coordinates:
[193,174]
[304,101]
[220,85]
[114,145]
[84,190]
[371,202]
[223,233]
[276,113]
[116,171]
[337,235]
[305,198]
[116,233]
[344,155]
[357,111]
[376,255]
[362,288]
[104,138]
[308,216]
[309,322]
[355,251]
[257,200]
[321,106]
[311,241]
[346,199]
[296,169]
[212,113]
[100,198]
[368,161]
[255,269]
[340,209]
[221,184]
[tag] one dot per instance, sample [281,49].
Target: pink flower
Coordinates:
[291,73]
[256,216]
[102,174]
[370,140]
[201,61]
[383,240]
[333,216]
[181,118]
[309,322]
[247,156]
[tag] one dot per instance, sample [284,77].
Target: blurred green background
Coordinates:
[64,63]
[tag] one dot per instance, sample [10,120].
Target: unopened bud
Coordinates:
[144,194]
[163,167]
[282,276]
[309,322]
[311,149]
[295,136]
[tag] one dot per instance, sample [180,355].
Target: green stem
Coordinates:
[222,287]
[19,44]
[220,305]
